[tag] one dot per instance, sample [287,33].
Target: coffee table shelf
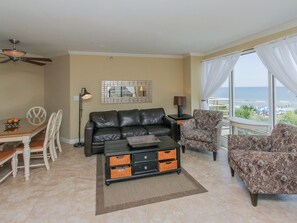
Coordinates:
[124,163]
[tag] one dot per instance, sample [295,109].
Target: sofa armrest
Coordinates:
[171,123]
[89,129]
[249,142]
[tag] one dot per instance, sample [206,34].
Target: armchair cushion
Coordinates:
[199,135]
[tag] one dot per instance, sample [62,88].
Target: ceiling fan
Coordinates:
[19,55]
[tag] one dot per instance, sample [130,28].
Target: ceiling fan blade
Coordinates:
[5,61]
[33,62]
[38,58]
[2,55]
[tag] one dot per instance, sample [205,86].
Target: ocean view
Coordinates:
[258,96]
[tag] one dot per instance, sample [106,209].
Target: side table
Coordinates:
[179,121]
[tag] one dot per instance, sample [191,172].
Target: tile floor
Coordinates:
[66,193]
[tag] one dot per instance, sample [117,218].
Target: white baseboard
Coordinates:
[69,141]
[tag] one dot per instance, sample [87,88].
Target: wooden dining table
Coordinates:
[23,131]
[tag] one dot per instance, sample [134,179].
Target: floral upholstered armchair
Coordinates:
[203,131]
[266,164]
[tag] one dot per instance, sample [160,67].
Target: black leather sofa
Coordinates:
[114,125]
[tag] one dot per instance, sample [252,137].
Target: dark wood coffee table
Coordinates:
[122,162]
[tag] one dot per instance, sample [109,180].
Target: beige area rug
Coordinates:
[132,193]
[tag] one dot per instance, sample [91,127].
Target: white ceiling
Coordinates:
[171,27]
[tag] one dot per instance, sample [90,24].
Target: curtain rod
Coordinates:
[281,38]
[224,55]
[252,49]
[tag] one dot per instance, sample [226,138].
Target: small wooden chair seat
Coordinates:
[35,144]
[5,156]
[40,136]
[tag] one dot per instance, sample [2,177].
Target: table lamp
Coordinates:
[180,101]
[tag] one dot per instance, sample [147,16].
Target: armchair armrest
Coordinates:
[249,142]
[187,126]
[89,129]
[216,134]
[171,123]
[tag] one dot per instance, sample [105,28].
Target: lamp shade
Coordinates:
[85,94]
[179,100]
[13,53]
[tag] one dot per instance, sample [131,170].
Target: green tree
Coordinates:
[245,111]
[290,117]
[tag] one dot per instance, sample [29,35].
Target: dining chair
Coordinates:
[36,114]
[56,144]
[5,156]
[56,138]
[43,146]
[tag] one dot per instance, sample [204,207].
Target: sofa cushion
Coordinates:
[129,117]
[157,130]
[152,116]
[199,135]
[133,131]
[105,119]
[106,134]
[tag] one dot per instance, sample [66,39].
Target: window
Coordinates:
[286,105]
[251,100]
[220,101]
[252,93]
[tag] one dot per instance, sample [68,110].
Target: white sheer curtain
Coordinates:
[214,73]
[280,58]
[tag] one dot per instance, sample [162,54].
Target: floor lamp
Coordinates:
[83,95]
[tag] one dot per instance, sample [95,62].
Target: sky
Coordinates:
[249,71]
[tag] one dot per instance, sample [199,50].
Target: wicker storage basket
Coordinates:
[169,165]
[119,160]
[118,172]
[167,154]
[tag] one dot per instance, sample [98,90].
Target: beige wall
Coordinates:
[195,81]
[21,87]
[187,84]
[192,76]
[88,71]
[57,91]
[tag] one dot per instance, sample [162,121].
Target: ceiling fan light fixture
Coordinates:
[13,53]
